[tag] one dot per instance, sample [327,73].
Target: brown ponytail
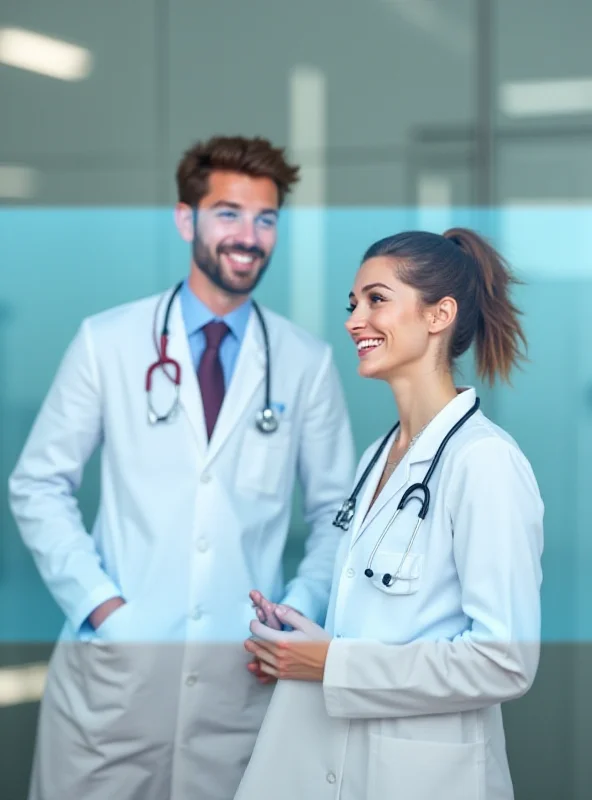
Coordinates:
[461,264]
[498,335]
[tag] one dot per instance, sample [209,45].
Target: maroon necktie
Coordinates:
[210,375]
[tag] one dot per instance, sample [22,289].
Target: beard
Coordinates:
[211,265]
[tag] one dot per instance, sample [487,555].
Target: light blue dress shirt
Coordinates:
[196,314]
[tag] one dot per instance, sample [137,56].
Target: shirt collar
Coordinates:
[432,436]
[196,314]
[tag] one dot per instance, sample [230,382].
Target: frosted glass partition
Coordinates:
[60,265]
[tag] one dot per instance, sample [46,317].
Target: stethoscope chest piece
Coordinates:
[345,514]
[266,420]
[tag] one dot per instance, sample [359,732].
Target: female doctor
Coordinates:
[431,626]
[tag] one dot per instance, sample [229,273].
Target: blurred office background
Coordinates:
[403,114]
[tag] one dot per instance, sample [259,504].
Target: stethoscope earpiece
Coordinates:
[387,578]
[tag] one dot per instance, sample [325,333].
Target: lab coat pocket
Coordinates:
[421,770]
[110,660]
[407,569]
[118,677]
[264,460]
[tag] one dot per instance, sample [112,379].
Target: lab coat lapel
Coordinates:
[393,486]
[248,377]
[190,396]
[433,436]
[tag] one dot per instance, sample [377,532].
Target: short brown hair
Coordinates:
[255,157]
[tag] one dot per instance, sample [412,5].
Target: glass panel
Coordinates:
[107,105]
[544,183]
[543,72]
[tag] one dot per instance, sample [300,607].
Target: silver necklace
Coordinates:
[414,439]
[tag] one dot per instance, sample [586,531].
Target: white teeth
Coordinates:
[365,343]
[242,258]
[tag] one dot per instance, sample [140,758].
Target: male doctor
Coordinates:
[147,696]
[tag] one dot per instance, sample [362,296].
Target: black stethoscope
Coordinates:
[266,420]
[348,509]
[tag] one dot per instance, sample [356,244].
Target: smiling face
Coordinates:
[394,333]
[236,230]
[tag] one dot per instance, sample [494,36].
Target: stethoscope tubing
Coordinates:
[266,419]
[345,514]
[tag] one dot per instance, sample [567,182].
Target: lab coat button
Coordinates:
[202,545]
[350,573]
[191,680]
[206,477]
[196,613]
[331,777]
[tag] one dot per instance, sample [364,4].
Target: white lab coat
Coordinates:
[184,531]
[410,703]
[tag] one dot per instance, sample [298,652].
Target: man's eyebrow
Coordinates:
[238,207]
